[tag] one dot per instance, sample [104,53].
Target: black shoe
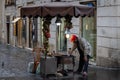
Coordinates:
[63,72]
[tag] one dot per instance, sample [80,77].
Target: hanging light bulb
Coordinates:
[58,21]
[67,32]
[67,35]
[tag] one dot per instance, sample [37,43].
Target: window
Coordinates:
[7,19]
[89,32]
[9,2]
[89,28]
[32,32]
[61,38]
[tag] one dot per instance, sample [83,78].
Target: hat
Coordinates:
[73,38]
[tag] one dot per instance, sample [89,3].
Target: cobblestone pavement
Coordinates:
[14,62]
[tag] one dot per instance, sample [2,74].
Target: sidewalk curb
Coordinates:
[94,65]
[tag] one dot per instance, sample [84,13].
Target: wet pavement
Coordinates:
[14,62]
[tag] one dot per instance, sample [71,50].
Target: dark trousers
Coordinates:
[83,65]
[86,63]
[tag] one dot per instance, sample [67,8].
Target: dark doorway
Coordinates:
[8,29]
[8,32]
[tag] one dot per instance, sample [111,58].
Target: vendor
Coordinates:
[84,50]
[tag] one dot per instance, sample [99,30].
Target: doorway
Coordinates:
[89,33]
[8,28]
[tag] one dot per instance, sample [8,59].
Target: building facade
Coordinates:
[101,31]
[1,20]
[18,32]
[108,33]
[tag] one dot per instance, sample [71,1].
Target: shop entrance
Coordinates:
[89,32]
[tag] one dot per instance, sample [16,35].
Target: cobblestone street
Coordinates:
[14,62]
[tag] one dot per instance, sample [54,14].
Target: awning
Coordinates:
[58,9]
[31,11]
[16,19]
[84,11]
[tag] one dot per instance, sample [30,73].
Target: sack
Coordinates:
[38,69]
[30,67]
[35,67]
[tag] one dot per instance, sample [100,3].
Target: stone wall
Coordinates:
[1,19]
[108,33]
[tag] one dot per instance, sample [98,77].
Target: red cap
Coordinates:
[73,38]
